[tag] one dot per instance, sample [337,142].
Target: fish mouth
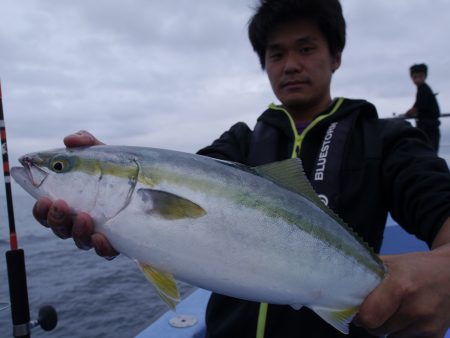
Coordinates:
[35,174]
[30,177]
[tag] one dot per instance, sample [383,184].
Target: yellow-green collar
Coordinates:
[299,138]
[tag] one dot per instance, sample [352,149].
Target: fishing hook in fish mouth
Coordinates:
[37,175]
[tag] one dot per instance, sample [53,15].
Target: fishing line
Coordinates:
[4,306]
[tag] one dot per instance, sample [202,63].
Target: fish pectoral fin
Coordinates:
[164,283]
[338,318]
[168,205]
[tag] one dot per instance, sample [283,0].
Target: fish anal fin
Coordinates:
[169,206]
[164,283]
[338,318]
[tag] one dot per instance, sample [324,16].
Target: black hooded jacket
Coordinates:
[426,103]
[385,166]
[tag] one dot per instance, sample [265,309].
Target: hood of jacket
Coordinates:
[363,108]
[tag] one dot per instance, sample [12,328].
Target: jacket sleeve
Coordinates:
[231,146]
[416,181]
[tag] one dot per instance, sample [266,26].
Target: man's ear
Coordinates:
[336,61]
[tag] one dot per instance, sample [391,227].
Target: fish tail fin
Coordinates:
[338,318]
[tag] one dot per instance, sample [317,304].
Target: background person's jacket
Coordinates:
[386,166]
[426,103]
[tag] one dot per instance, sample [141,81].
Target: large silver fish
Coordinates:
[260,233]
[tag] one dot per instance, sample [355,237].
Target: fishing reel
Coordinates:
[47,320]
[22,325]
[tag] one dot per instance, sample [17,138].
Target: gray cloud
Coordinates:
[176,74]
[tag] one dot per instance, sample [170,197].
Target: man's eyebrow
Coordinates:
[279,45]
[307,39]
[274,45]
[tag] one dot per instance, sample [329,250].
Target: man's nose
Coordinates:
[293,64]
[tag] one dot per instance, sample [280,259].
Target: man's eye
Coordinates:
[275,56]
[306,50]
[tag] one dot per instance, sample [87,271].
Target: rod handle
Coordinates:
[18,293]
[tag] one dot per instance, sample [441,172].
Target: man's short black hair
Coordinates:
[419,68]
[270,13]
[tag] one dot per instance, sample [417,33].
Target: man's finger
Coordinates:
[382,303]
[81,139]
[395,324]
[40,210]
[60,220]
[82,231]
[103,247]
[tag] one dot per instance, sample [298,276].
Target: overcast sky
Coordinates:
[176,74]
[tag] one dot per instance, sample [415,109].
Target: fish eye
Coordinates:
[60,164]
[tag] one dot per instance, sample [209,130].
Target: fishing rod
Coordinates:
[402,116]
[15,261]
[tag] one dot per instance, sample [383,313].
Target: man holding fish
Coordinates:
[360,166]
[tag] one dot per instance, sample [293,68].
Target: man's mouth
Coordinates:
[294,83]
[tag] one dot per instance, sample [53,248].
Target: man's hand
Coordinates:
[57,216]
[414,298]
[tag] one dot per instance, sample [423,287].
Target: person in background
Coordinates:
[426,108]
[361,166]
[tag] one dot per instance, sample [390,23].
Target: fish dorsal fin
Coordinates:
[338,318]
[290,175]
[169,206]
[164,283]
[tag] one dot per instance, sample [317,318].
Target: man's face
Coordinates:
[299,66]
[418,78]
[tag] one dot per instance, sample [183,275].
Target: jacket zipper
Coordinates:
[298,139]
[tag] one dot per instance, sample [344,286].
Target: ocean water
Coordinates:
[94,298]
